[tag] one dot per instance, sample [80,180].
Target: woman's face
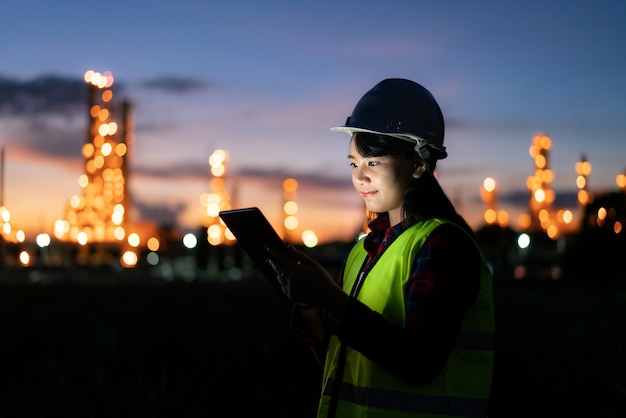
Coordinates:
[381,181]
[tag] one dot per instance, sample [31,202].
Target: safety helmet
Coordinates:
[402,109]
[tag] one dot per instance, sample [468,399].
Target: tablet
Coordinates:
[253,232]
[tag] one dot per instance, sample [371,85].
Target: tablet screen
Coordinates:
[253,232]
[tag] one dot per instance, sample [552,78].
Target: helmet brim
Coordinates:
[351,130]
[440,153]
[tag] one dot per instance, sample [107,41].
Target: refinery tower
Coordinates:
[100,214]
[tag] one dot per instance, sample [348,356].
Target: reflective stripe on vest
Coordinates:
[368,390]
[410,402]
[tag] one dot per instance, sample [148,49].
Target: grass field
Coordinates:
[210,350]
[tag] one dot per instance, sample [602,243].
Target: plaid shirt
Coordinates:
[443,284]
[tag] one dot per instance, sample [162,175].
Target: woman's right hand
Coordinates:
[306,281]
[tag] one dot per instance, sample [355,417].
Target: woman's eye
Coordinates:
[353,165]
[372,163]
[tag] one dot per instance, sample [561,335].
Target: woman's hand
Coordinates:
[305,281]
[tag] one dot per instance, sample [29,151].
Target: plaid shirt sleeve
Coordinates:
[443,284]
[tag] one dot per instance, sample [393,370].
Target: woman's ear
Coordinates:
[420,168]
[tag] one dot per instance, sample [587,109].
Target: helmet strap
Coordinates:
[422,150]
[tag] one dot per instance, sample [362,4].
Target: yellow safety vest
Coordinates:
[462,388]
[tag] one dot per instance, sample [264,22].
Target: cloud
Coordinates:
[182,169]
[44,94]
[173,84]
[51,135]
[45,115]
[159,214]
[201,170]
[302,178]
[563,198]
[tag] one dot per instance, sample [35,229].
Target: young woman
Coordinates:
[407,330]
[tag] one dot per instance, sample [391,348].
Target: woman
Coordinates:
[407,330]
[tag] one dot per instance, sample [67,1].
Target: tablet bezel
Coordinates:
[254,232]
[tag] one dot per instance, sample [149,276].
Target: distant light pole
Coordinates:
[290,208]
[583,169]
[488,194]
[541,196]
[217,200]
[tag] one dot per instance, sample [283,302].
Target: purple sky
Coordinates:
[266,80]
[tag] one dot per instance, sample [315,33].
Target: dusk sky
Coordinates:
[266,81]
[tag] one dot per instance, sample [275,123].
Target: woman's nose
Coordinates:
[360,175]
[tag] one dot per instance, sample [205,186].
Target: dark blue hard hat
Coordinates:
[402,109]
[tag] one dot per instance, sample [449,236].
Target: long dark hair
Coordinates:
[423,198]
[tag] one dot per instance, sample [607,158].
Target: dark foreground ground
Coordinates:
[209,350]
